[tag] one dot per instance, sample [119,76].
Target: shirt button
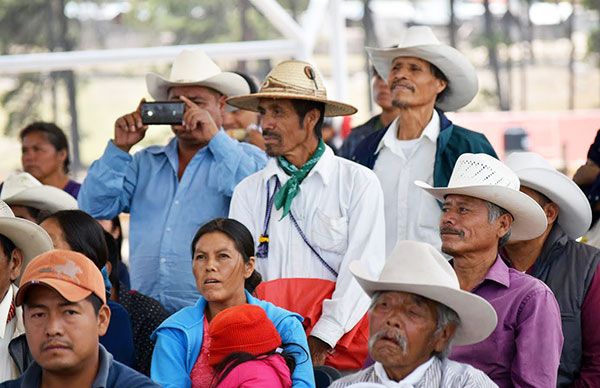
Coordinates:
[168,229]
[163,260]
[176,202]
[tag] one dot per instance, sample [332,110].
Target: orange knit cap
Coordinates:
[245,328]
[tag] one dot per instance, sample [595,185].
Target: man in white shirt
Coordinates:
[311,213]
[426,78]
[417,311]
[20,241]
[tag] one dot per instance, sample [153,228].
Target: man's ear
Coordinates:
[16,262]
[504,222]
[444,337]
[551,209]
[311,118]
[103,319]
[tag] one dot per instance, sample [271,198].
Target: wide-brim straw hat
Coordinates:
[29,237]
[418,268]
[23,189]
[535,172]
[485,177]
[420,42]
[195,68]
[295,80]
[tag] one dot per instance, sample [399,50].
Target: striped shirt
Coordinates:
[441,373]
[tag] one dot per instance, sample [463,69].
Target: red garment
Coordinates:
[270,372]
[202,373]
[589,375]
[305,297]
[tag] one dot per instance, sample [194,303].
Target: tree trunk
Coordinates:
[570,23]
[492,46]
[370,41]
[246,31]
[452,24]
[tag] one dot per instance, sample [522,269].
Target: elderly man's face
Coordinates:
[403,331]
[465,228]
[412,83]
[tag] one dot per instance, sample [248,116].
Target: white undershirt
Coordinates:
[409,381]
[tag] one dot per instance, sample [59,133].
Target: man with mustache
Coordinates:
[482,209]
[568,267]
[169,191]
[64,311]
[417,311]
[311,212]
[426,79]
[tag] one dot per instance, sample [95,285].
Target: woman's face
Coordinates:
[220,270]
[56,234]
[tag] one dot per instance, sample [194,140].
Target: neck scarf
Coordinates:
[285,195]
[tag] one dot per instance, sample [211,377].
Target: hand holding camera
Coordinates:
[130,129]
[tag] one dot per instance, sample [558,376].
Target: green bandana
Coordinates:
[286,194]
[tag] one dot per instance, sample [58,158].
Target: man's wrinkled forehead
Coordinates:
[411,60]
[461,199]
[191,91]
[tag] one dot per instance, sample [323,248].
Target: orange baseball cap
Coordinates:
[70,273]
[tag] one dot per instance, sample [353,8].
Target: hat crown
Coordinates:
[294,77]
[413,262]
[518,161]
[192,66]
[482,170]
[17,182]
[5,210]
[418,36]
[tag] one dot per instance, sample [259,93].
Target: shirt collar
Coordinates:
[324,168]
[409,381]
[499,273]
[4,309]
[431,131]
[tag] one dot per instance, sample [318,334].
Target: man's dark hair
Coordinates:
[55,136]
[302,107]
[437,73]
[96,303]
[7,246]
[83,234]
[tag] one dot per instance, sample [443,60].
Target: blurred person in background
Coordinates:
[114,228]
[383,98]
[45,155]
[587,177]
[170,190]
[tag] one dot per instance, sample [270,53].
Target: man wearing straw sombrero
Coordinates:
[418,311]
[569,268]
[482,208]
[169,191]
[311,213]
[427,78]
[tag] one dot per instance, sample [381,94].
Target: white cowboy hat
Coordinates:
[29,237]
[575,216]
[484,177]
[420,42]
[295,80]
[23,189]
[419,268]
[196,68]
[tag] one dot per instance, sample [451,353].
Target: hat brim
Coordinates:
[47,198]
[67,290]
[477,316]
[529,218]
[575,215]
[29,237]
[229,84]
[250,102]
[463,83]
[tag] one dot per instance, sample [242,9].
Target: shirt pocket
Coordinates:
[330,233]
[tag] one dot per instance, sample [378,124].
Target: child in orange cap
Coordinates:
[244,350]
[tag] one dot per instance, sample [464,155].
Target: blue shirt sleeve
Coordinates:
[292,333]
[169,359]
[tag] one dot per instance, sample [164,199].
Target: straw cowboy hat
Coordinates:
[29,237]
[420,42]
[295,80]
[575,216]
[23,189]
[195,68]
[419,268]
[484,177]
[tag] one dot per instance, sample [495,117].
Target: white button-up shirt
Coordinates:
[340,210]
[8,331]
[410,213]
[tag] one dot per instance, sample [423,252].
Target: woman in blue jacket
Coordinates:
[223,265]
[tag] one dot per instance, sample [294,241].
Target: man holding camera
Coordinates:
[171,190]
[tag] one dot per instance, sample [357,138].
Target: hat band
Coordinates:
[272,85]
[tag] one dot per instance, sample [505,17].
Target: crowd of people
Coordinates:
[260,256]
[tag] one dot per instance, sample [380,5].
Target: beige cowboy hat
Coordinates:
[29,237]
[485,177]
[419,268]
[196,68]
[420,42]
[575,216]
[295,80]
[23,189]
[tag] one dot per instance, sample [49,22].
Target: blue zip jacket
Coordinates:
[179,340]
[452,142]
